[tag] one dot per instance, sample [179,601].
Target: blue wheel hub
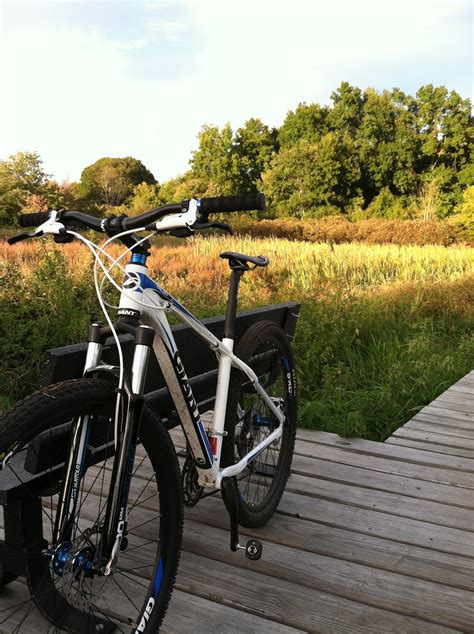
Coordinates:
[83,561]
[264,421]
[61,557]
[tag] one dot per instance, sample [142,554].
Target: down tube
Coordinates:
[174,374]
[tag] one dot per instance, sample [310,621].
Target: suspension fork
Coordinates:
[128,428]
[115,524]
[78,448]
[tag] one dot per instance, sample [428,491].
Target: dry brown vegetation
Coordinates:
[338,229]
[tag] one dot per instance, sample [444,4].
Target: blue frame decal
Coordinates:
[147,282]
[206,441]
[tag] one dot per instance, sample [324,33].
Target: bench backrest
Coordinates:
[198,359]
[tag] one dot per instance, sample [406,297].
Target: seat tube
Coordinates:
[225,368]
[229,327]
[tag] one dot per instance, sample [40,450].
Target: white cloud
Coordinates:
[72,94]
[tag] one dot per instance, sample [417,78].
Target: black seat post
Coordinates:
[229,327]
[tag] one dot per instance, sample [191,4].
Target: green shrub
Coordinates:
[40,310]
[386,205]
[464,219]
[367,364]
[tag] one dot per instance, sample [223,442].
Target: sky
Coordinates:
[81,80]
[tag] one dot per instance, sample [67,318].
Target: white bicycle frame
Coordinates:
[140,294]
[140,289]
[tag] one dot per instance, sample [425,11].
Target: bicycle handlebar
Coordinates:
[36,219]
[227,204]
[33,220]
[219,204]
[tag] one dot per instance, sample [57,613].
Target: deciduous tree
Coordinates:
[21,176]
[313,179]
[111,181]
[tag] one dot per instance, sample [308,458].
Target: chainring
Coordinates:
[192,490]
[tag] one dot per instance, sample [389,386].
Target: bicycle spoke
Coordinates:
[129,599]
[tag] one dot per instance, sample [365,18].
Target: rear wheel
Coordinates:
[249,420]
[61,579]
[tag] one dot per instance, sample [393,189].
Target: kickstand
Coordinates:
[233,508]
[254,548]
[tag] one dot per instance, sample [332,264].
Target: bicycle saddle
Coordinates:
[241,262]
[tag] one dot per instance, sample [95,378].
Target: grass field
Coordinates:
[383,328]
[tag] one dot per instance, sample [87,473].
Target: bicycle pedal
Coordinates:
[254,549]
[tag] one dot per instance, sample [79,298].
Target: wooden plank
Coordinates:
[425,600]
[364,476]
[369,522]
[438,428]
[379,463]
[306,443]
[467,377]
[434,437]
[365,520]
[186,612]
[463,398]
[441,419]
[247,586]
[11,615]
[287,571]
[383,523]
[393,503]
[307,609]
[286,568]
[420,445]
[457,387]
[338,577]
[190,613]
[342,543]
[455,404]
[446,412]
[467,381]
[184,609]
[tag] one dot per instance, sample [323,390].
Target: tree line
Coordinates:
[368,153]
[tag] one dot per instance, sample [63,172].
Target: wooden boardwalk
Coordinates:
[369,537]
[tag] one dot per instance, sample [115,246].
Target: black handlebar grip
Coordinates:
[223,204]
[33,220]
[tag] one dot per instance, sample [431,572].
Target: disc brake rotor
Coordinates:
[77,586]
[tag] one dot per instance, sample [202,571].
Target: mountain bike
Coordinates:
[101,528]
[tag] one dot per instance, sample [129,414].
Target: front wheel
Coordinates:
[62,581]
[249,420]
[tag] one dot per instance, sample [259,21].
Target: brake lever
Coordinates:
[214,225]
[181,232]
[21,236]
[59,238]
